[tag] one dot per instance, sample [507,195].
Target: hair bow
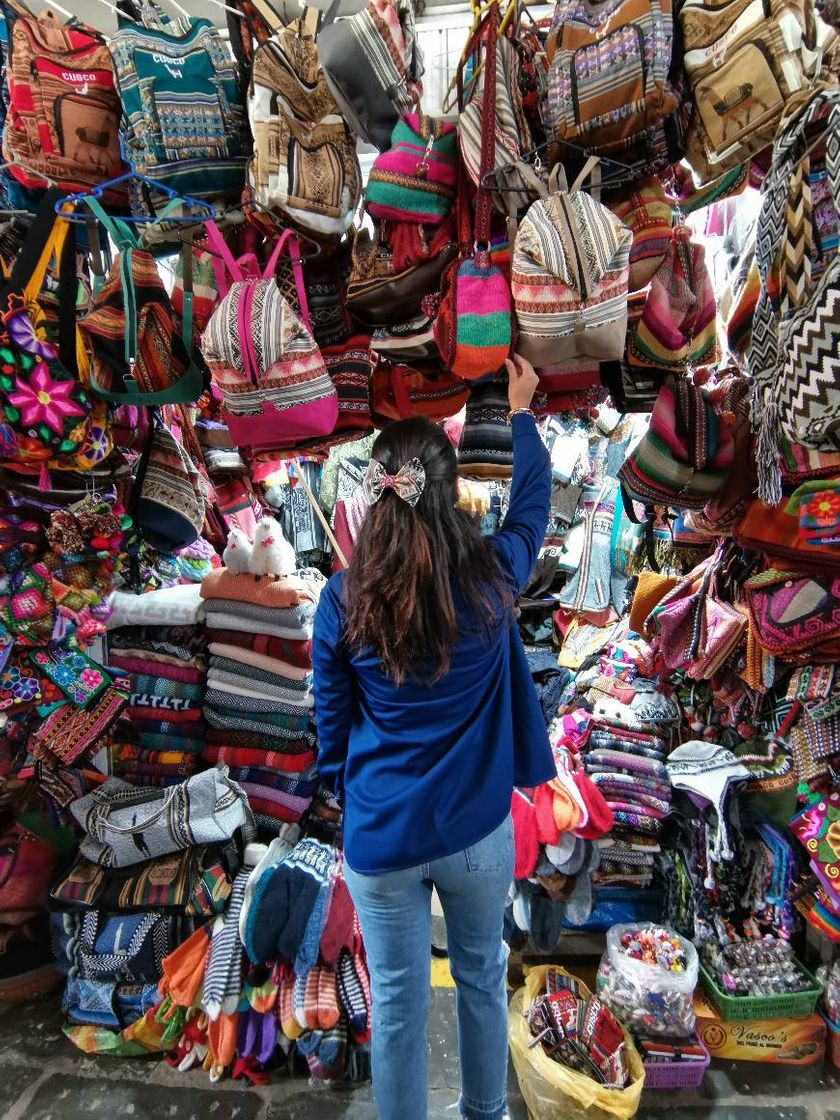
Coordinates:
[408,483]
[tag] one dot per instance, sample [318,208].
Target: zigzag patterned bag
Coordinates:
[794,355]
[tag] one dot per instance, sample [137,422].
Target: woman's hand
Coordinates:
[522,384]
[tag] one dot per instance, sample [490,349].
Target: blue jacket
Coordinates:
[422,770]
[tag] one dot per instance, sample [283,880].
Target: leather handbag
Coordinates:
[775,533]
[380,293]
[125,825]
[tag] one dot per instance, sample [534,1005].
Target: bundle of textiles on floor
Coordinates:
[283,973]
[259,705]
[160,741]
[137,888]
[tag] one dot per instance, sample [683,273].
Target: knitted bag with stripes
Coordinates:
[276,391]
[569,280]
[682,459]
[679,319]
[415,180]
[474,324]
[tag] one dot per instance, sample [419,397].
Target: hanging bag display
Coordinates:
[275,388]
[137,354]
[304,166]
[569,278]
[125,825]
[793,355]
[63,116]
[169,500]
[373,64]
[400,391]
[184,119]
[474,322]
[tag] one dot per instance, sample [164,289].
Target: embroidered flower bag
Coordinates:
[45,411]
[276,390]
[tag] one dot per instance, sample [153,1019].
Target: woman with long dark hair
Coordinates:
[427,718]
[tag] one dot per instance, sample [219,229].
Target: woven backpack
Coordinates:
[793,355]
[569,279]
[305,166]
[184,118]
[63,110]
[609,80]
[276,391]
[373,64]
[744,61]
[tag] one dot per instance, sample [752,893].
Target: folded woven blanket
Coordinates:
[287,762]
[295,651]
[240,684]
[149,741]
[187,674]
[160,686]
[292,618]
[262,591]
[287,715]
[620,760]
[226,720]
[263,625]
[158,725]
[293,675]
[304,784]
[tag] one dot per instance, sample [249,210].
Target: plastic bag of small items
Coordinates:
[647,978]
[572,1059]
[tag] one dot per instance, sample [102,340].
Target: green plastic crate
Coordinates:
[740,1009]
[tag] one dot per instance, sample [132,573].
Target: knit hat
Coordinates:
[486,446]
[547,830]
[708,770]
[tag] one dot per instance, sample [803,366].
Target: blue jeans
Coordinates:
[396,919]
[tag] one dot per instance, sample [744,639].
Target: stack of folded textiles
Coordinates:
[161,737]
[259,704]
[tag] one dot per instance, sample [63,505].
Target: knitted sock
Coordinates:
[559,853]
[328,1012]
[524,834]
[338,928]
[332,1052]
[288,1020]
[546,922]
[311,995]
[352,995]
[575,860]
[300,1002]
[547,830]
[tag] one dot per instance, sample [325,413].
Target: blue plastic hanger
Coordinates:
[200,210]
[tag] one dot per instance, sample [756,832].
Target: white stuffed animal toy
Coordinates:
[237,555]
[272,555]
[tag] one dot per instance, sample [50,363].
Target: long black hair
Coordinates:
[398,593]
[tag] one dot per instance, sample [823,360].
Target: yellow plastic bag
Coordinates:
[553,1092]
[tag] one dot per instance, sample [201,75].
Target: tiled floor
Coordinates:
[43,1077]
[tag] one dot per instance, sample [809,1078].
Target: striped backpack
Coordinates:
[184,118]
[305,165]
[610,75]
[63,114]
[276,391]
[571,268]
